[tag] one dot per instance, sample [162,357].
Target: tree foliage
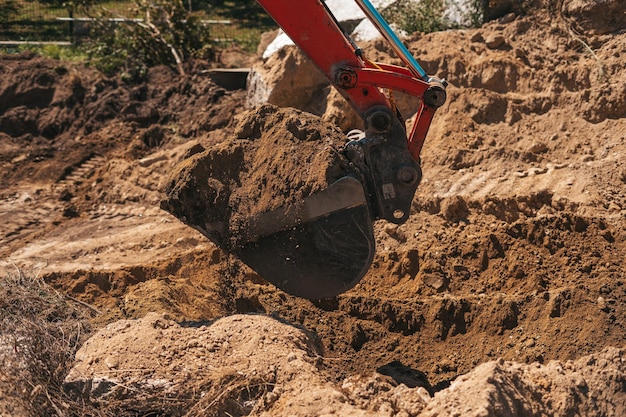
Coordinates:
[424,16]
[167,33]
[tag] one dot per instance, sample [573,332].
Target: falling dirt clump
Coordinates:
[274,157]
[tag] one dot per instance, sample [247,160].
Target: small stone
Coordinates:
[494,41]
[391,230]
[437,281]
[477,37]
[149,160]
[538,148]
[423,394]
[614,207]
[507,18]
[454,209]
[112,362]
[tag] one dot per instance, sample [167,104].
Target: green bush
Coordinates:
[432,15]
[424,16]
[166,34]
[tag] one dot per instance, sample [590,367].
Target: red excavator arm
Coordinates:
[322,245]
[311,26]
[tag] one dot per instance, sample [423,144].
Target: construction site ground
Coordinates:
[507,282]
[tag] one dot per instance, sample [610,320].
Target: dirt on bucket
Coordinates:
[274,157]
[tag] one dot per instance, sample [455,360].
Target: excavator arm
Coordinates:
[387,159]
[322,245]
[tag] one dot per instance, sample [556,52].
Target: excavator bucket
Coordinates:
[281,197]
[290,197]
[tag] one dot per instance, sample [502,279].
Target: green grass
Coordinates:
[59,52]
[35,11]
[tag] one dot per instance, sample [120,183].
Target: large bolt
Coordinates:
[380,121]
[435,96]
[345,78]
[407,175]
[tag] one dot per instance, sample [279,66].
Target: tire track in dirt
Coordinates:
[121,211]
[26,213]
[20,216]
[82,172]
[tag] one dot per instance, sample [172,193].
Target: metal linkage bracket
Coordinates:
[387,169]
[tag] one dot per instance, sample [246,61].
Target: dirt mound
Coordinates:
[54,116]
[589,386]
[69,133]
[594,17]
[225,366]
[256,365]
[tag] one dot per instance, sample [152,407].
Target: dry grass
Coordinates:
[234,395]
[230,394]
[40,333]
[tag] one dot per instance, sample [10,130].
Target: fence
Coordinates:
[37,22]
[32,22]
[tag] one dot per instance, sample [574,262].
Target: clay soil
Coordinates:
[514,251]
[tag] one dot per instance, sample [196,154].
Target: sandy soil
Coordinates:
[513,256]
